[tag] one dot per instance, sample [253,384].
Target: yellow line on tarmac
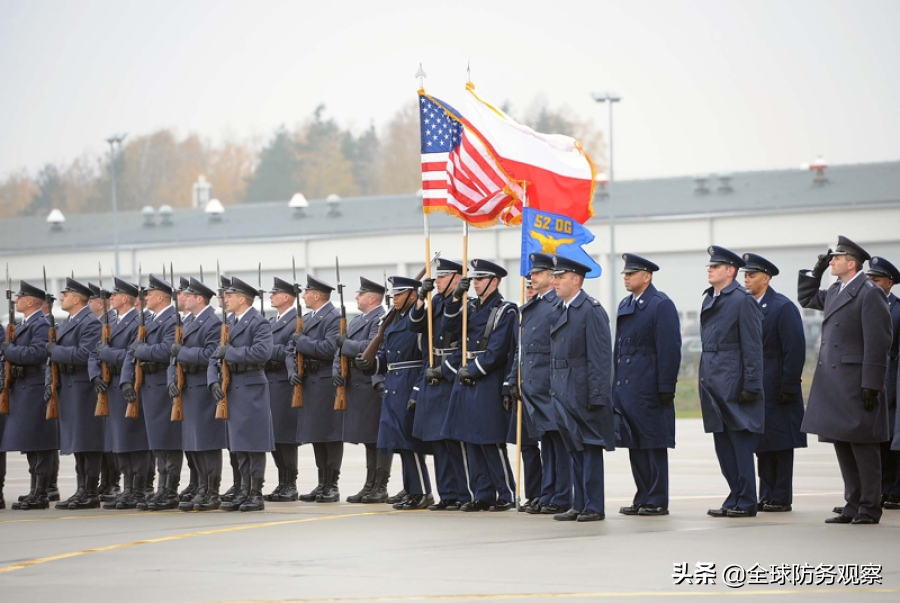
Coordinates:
[72,517]
[238,528]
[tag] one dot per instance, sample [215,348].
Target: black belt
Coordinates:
[239,367]
[192,369]
[274,365]
[71,369]
[20,370]
[151,367]
[311,365]
[113,369]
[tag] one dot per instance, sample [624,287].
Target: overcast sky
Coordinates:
[707,86]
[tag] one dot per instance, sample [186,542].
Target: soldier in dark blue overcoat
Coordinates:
[319,423]
[476,414]
[554,465]
[203,436]
[784,352]
[109,469]
[580,375]
[155,405]
[647,357]
[283,297]
[884,274]
[731,379]
[126,438]
[844,406]
[81,433]
[399,359]
[249,423]
[363,391]
[28,430]
[432,394]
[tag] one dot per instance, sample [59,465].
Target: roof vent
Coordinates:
[725,184]
[165,215]
[149,215]
[214,209]
[55,219]
[819,166]
[299,204]
[334,205]
[700,184]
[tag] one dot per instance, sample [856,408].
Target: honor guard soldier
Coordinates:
[186,316]
[580,349]
[885,275]
[400,361]
[203,436]
[784,352]
[249,423]
[80,432]
[126,438]
[731,379]
[431,397]
[2,428]
[109,469]
[155,405]
[28,430]
[554,465]
[319,423]
[844,406]
[476,414]
[283,297]
[647,358]
[364,391]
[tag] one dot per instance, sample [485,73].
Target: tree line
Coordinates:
[317,157]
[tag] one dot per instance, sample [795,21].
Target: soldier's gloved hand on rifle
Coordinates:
[176,347]
[361,363]
[465,377]
[217,392]
[462,288]
[102,346]
[296,338]
[747,397]
[3,346]
[514,392]
[295,379]
[379,387]
[48,392]
[821,264]
[666,398]
[100,385]
[221,351]
[339,341]
[786,398]
[508,402]
[51,345]
[174,392]
[869,398]
[338,381]
[128,392]
[426,288]
[134,346]
[434,375]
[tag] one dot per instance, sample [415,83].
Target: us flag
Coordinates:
[459,174]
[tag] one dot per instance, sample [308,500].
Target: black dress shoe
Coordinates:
[537,508]
[552,509]
[761,504]
[740,513]
[891,501]
[528,504]
[570,515]
[502,505]
[416,501]
[720,512]
[840,519]
[774,507]
[396,497]
[445,505]
[399,504]
[838,510]
[590,516]
[863,520]
[475,505]
[630,510]
[653,511]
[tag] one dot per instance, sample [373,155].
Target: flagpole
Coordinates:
[519,368]
[465,297]
[421,75]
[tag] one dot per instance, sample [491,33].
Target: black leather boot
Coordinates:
[255,501]
[36,499]
[357,498]
[211,500]
[30,491]
[104,479]
[188,493]
[91,497]
[378,494]
[137,494]
[79,492]
[238,499]
[126,496]
[169,500]
[236,485]
[289,492]
[273,496]
[192,504]
[112,484]
[330,493]
[311,497]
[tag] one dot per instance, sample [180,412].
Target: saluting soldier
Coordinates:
[127,438]
[81,433]
[28,429]
[283,298]
[432,394]
[318,423]
[784,352]
[844,405]
[364,391]
[647,358]
[203,436]
[731,379]
[580,376]
[163,434]
[249,423]
[538,315]
[476,414]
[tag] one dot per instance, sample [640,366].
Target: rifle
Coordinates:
[297,400]
[372,349]
[132,410]
[10,337]
[177,407]
[224,339]
[102,407]
[52,403]
[340,395]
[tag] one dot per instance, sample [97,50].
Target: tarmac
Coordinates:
[308,552]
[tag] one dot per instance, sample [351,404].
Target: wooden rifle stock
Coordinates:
[7,371]
[177,405]
[132,411]
[340,395]
[102,407]
[297,400]
[372,349]
[222,405]
[52,403]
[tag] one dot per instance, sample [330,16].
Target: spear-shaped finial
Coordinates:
[469,70]
[421,75]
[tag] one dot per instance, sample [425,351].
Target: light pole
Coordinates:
[115,141]
[607,96]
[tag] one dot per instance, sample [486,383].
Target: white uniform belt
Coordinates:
[396,366]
